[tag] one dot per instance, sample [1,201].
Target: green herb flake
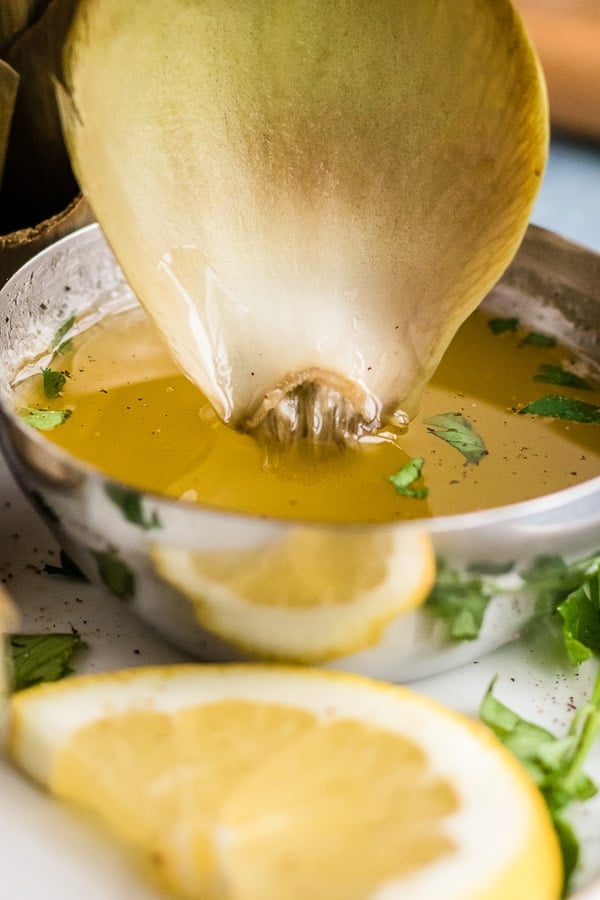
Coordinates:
[130,503]
[550,579]
[456,430]
[406,476]
[535,339]
[54,382]
[502,325]
[461,600]
[486,567]
[116,575]
[64,348]
[44,419]
[61,331]
[556,407]
[554,763]
[35,658]
[548,374]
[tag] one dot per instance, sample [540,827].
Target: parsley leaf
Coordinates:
[44,419]
[62,330]
[548,374]
[130,503]
[497,567]
[580,614]
[552,579]
[116,575]
[555,764]
[406,476]
[460,600]
[457,431]
[500,326]
[535,339]
[563,408]
[64,348]
[41,657]
[54,382]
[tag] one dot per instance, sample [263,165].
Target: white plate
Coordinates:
[46,851]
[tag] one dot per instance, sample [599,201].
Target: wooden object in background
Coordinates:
[39,196]
[566,34]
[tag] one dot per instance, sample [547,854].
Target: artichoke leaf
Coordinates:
[9,83]
[38,179]
[308,198]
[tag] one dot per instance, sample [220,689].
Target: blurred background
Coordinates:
[38,193]
[566,34]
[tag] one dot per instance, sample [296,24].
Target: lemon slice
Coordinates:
[8,620]
[267,782]
[312,595]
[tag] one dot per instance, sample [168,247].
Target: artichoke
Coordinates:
[308,197]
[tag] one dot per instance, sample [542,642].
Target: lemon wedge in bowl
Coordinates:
[271,782]
[310,596]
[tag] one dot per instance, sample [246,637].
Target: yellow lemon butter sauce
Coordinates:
[137,418]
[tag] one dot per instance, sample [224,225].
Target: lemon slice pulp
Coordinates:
[312,595]
[267,782]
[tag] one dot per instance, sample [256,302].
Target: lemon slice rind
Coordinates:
[503,844]
[8,621]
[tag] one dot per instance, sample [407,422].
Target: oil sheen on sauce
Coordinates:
[137,418]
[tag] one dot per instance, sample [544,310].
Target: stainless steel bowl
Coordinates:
[552,285]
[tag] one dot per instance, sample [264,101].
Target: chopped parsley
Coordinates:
[557,407]
[535,339]
[44,419]
[130,503]
[548,374]
[54,382]
[64,348]
[116,575]
[61,331]
[554,763]
[461,600]
[457,431]
[551,579]
[580,614]
[41,657]
[405,477]
[502,325]
[570,589]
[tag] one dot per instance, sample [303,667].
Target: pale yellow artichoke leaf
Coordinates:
[302,187]
[38,180]
[9,83]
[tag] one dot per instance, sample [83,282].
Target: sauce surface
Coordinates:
[137,418]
